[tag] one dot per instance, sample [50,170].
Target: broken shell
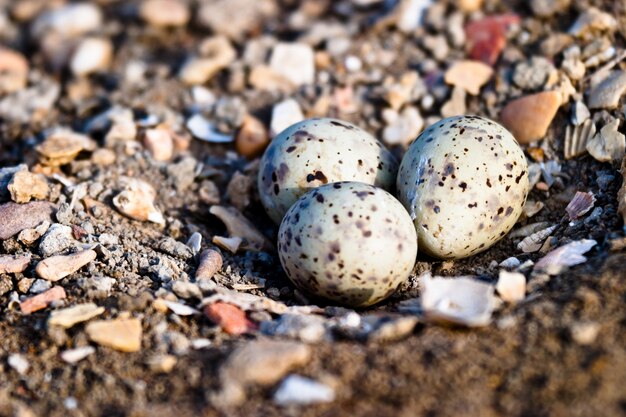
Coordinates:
[511,286]
[231,244]
[70,316]
[577,137]
[580,205]
[535,241]
[239,226]
[469,75]
[608,144]
[606,94]
[592,19]
[531,208]
[567,255]
[137,202]
[62,147]
[460,300]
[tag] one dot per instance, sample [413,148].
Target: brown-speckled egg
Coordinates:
[464,181]
[316,152]
[348,242]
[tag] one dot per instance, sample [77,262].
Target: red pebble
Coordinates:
[229,317]
[487,37]
[41,301]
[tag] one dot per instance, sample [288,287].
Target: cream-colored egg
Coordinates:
[464,181]
[316,152]
[349,242]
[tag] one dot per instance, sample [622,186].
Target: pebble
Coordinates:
[70,20]
[592,19]
[298,390]
[164,13]
[260,362]
[71,316]
[216,54]
[469,75]
[608,144]
[30,236]
[175,248]
[58,238]
[13,264]
[39,286]
[580,113]
[194,242]
[469,6]
[285,114]
[574,68]
[585,333]
[186,290]
[529,117]
[239,190]
[404,127]
[19,363]
[410,14]
[91,55]
[607,93]
[456,105]
[252,138]
[62,147]
[159,143]
[25,186]
[162,363]
[41,301]
[295,62]
[533,74]
[548,8]
[123,334]
[103,157]
[511,286]
[6,174]
[486,38]
[58,267]
[235,18]
[210,263]
[77,354]
[13,71]
[307,328]
[239,226]
[16,217]
[136,201]
[229,317]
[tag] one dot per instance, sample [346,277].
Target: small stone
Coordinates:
[25,186]
[574,68]
[39,286]
[41,301]
[456,105]
[469,75]
[297,390]
[123,334]
[103,157]
[92,55]
[404,127]
[136,201]
[71,20]
[252,138]
[210,263]
[533,74]
[231,244]
[30,236]
[307,328]
[469,6]
[295,62]
[238,190]
[511,286]
[548,8]
[209,193]
[235,18]
[186,290]
[58,238]
[606,94]
[163,364]
[58,267]
[285,114]
[68,317]
[13,71]
[229,317]
[13,264]
[62,147]
[529,117]
[159,143]
[164,13]
[16,217]
[608,144]
[486,38]
[410,14]
[239,226]
[77,354]
[585,333]
[6,174]
[216,54]
[580,113]
[437,46]
[175,248]
[19,363]
[390,328]
[592,20]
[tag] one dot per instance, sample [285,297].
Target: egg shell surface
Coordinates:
[348,242]
[315,152]
[464,181]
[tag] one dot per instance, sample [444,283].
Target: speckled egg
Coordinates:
[316,152]
[349,242]
[464,181]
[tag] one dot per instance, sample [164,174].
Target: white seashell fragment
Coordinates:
[567,255]
[137,202]
[608,144]
[528,229]
[532,207]
[77,354]
[231,244]
[180,309]
[511,286]
[510,263]
[580,205]
[239,226]
[535,241]
[460,300]
[577,137]
[201,128]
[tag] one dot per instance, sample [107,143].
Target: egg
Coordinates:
[316,152]
[348,242]
[464,181]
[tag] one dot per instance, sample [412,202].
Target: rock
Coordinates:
[162,363]
[58,267]
[261,362]
[608,144]
[77,354]
[13,264]
[186,290]
[19,363]
[239,190]
[585,333]
[391,328]
[580,113]
[6,174]
[511,286]
[159,143]
[486,38]
[529,117]
[574,68]
[91,55]
[252,138]
[239,226]
[103,157]
[39,286]
[592,20]
[469,6]
[548,8]
[122,126]
[297,390]
[71,316]
[294,61]
[136,201]
[230,318]
[41,301]
[437,46]
[63,147]
[285,114]
[71,20]
[210,263]
[606,94]
[30,236]
[25,186]
[13,71]
[533,74]
[16,217]
[123,334]
[410,13]
[231,244]
[307,328]
[404,127]
[468,75]
[164,13]
[235,18]
[58,238]
[456,105]
[216,54]
[175,248]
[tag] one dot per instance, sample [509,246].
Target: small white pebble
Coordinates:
[19,363]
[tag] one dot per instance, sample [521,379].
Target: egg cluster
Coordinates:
[461,187]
